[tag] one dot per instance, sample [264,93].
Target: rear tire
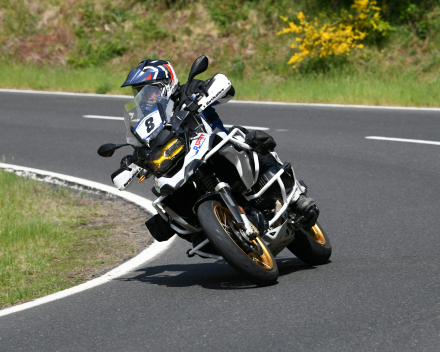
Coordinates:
[260,269]
[313,246]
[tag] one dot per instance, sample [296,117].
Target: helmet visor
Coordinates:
[149,93]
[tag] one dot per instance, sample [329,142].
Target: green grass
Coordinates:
[46,243]
[87,80]
[369,87]
[89,46]
[356,88]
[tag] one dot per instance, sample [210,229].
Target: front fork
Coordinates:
[224,190]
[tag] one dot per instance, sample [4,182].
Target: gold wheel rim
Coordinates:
[264,260]
[316,233]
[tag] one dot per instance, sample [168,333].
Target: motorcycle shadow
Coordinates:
[210,275]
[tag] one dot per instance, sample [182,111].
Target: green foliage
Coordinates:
[418,16]
[321,65]
[89,46]
[149,30]
[237,68]
[15,18]
[435,62]
[100,35]
[103,88]
[227,13]
[334,34]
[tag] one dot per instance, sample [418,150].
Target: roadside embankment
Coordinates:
[372,52]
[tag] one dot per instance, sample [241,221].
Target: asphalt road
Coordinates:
[378,201]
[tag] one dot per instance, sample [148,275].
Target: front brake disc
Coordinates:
[252,247]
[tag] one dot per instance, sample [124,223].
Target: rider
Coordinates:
[160,76]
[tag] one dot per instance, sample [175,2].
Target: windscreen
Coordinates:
[143,114]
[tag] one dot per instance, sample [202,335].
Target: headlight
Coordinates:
[163,159]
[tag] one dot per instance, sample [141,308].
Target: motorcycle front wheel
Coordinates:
[258,266]
[312,245]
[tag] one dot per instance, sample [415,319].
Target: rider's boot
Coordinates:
[307,208]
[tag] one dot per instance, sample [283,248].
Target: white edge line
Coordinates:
[102,117]
[232,101]
[65,93]
[149,253]
[418,141]
[252,127]
[336,105]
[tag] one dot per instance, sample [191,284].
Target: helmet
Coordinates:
[157,73]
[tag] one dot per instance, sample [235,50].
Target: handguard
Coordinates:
[123,177]
[217,88]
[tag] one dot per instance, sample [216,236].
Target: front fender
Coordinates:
[207,196]
[225,197]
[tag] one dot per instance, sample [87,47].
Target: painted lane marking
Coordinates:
[251,127]
[403,140]
[91,95]
[335,105]
[103,117]
[232,101]
[146,255]
[121,118]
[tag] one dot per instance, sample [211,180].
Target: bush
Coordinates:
[334,34]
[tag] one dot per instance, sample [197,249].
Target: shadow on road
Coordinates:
[210,275]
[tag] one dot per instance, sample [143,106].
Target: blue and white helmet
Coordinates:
[157,73]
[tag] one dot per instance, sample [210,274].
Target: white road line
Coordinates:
[336,105]
[149,253]
[251,127]
[232,101]
[403,140]
[103,117]
[121,118]
[66,93]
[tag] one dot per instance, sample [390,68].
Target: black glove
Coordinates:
[126,161]
[198,87]
[191,105]
[204,87]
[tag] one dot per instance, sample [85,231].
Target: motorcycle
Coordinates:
[212,188]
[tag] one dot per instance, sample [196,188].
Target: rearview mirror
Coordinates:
[199,66]
[107,150]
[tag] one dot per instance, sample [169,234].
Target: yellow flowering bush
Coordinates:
[334,34]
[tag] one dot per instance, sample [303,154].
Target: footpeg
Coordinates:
[189,255]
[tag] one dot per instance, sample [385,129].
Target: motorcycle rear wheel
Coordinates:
[312,245]
[260,269]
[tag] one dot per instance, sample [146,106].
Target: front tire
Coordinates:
[312,245]
[261,269]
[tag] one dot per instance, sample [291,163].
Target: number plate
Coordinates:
[149,124]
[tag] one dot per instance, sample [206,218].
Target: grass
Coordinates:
[46,241]
[369,87]
[356,88]
[87,80]
[89,46]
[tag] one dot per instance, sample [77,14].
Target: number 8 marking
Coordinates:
[149,124]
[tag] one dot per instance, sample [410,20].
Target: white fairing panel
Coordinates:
[241,162]
[199,147]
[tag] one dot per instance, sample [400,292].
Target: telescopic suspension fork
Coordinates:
[213,184]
